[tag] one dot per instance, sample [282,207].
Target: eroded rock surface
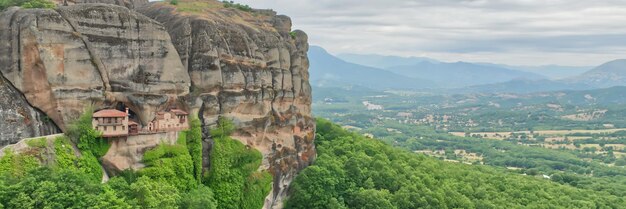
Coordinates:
[246,66]
[131,4]
[67,59]
[127,153]
[249,67]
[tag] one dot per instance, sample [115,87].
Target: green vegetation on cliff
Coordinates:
[194,145]
[233,176]
[232,4]
[170,164]
[86,138]
[26,4]
[172,177]
[356,172]
[16,165]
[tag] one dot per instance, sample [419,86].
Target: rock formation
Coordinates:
[67,59]
[18,120]
[131,4]
[247,66]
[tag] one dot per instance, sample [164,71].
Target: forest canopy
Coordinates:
[356,172]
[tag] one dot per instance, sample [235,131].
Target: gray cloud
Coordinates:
[567,32]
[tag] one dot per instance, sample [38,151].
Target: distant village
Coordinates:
[115,124]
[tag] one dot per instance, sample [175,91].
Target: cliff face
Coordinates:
[67,59]
[245,66]
[249,67]
[18,119]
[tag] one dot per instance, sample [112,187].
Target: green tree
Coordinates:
[200,198]
[170,164]
[225,128]
[109,199]
[22,200]
[86,138]
[194,145]
[357,172]
[234,178]
[153,194]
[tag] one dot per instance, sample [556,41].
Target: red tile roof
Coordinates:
[109,113]
[179,112]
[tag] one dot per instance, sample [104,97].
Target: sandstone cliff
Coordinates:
[210,60]
[250,67]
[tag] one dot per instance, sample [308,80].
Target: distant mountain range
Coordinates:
[522,86]
[606,75]
[391,72]
[462,74]
[549,71]
[382,62]
[327,70]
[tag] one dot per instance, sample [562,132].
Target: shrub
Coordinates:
[225,127]
[66,160]
[201,198]
[155,194]
[172,164]
[174,2]
[43,4]
[87,139]
[4,4]
[16,165]
[232,4]
[234,177]
[37,143]
[194,145]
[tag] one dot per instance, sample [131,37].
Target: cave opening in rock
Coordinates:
[131,114]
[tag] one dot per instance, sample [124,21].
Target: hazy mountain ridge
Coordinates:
[393,72]
[383,61]
[523,86]
[609,74]
[462,74]
[328,70]
[549,71]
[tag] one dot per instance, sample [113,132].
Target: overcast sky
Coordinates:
[518,32]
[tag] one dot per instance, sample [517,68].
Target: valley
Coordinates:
[578,133]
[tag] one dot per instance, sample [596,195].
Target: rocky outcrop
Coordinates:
[127,153]
[18,119]
[131,4]
[209,60]
[67,59]
[249,67]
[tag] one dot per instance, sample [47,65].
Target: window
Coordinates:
[123,128]
[114,128]
[105,128]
